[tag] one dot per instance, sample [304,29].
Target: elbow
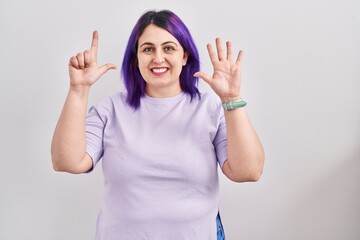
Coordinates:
[55,164]
[56,168]
[254,177]
[59,165]
[57,161]
[256,170]
[247,173]
[72,170]
[63,161]
[249,177]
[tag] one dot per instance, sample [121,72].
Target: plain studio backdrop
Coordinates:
[301,79]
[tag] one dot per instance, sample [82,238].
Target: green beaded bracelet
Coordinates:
[234,104]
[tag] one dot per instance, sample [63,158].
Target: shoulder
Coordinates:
[116,98]
[107,105]
[210,97]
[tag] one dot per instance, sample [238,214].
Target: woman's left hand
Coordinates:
[226,79]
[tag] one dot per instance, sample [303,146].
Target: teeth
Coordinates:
[159,70]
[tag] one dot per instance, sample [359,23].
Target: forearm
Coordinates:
[69,140]
[245,152]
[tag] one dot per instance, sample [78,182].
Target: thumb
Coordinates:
[204,77]
[106,67]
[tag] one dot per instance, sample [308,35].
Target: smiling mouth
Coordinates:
[159,70]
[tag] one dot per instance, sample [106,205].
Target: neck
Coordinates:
[162,92]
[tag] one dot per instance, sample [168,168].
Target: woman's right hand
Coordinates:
[83,68]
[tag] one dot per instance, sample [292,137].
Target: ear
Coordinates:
[185,58]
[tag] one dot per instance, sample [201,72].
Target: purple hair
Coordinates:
[134,82]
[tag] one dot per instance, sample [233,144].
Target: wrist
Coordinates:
[79,90]
[230,98]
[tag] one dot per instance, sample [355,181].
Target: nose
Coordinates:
[159,57]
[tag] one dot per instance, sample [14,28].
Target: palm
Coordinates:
[86,76]
[226,78]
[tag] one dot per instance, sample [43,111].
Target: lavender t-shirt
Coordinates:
[160,166]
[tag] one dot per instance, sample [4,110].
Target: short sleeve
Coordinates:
[94,136]
[220,140]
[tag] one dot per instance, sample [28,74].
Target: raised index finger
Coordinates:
[94,44]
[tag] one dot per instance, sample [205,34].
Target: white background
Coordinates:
[301,79]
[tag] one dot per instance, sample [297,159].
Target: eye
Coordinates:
[148,49]
[169,48]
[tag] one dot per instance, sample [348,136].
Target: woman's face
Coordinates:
[161,58]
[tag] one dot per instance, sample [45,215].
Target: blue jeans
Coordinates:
[220,229]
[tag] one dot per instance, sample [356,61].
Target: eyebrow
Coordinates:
[151,44]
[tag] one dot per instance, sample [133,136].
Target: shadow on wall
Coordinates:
[331,207]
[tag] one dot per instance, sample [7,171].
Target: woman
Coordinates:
[161,141]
